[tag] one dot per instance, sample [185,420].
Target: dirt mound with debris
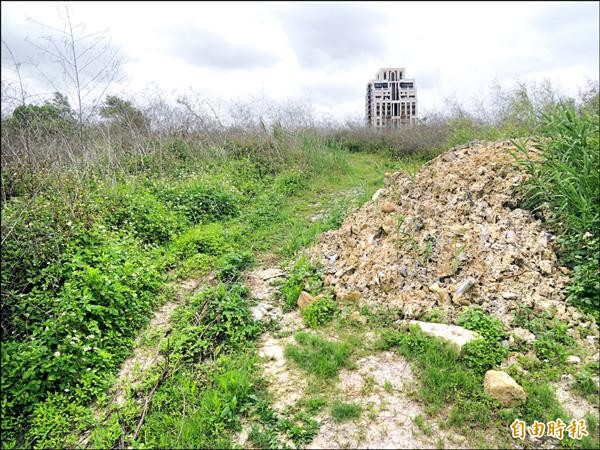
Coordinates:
[448,237]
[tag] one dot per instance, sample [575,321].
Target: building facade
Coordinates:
[391,99]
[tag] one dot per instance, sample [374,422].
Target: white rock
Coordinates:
[573,359]
[378,194]
[457,336]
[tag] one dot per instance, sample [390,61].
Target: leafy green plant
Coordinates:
[320,312]
[303,277]
[477,320]
[132,208]
[232,265]
[290,182]
[200,201]
[210,239]
[217,320]
[483,354]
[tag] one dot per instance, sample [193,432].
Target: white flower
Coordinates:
[57,354]
[66,390]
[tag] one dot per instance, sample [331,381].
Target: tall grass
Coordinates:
[564,186]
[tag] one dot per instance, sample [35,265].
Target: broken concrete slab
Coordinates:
[455,335]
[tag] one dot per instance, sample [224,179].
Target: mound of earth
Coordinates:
[449,237]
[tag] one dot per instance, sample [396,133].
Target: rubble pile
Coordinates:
[448,237]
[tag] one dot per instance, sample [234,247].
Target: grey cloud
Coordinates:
[322,34]
[202,48]
[571,32]
[426,79]
[334,92]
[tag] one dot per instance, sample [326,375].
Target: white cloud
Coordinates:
[326,53]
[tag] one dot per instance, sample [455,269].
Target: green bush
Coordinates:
[290,182]
[487,326]
[232,265]
[80,330]
[483,354]
[217,320]
[201,201]
[138,211]
[210,239]
[320,312]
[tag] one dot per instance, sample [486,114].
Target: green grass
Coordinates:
[564,187]
[447,379]
[342,412]
[320,312]
[318,356]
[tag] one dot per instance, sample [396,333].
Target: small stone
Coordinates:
[441,293]
[404,271]
[333,259]
[522,335]
[572,359]
[460,291]
[378,194]
[505,343]
[305,299]
[351,296]
[388,207]
[503,388]
[546,267]
[508,295]
[357,317]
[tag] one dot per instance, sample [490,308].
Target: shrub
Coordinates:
[565,186]
[209,239]
[78,330]
[483,354]
[218,320]
[232,265]
[200,201]
[290,182]
[141,213]
[320,312]
[477,320]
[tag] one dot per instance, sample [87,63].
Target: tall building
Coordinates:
[391,99]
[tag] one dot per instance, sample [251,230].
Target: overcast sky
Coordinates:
[323,53]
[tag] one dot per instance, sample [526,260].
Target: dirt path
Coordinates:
[381,383]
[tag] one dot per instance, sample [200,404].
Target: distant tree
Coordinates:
[52,116]
[122,112]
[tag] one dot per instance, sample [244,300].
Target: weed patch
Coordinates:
[318,356]
[342,412]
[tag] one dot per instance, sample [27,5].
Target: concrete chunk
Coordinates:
[457,336]
[503,388]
